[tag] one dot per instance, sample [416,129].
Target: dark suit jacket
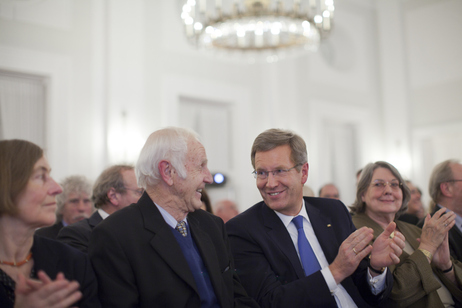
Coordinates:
[269,267]
[409,218]
[139,263]
[78,234]
[51,231]
[53,257]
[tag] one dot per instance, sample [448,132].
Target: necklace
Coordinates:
[18,264]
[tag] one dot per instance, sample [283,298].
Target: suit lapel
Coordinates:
[324,231]
[279,235]
[163,241]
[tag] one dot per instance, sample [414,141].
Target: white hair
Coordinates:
[170,143]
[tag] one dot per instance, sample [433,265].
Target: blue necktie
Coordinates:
[309,261]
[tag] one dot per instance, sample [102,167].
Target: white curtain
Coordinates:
[22,107]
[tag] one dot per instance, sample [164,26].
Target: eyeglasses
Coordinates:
[454,181]
[138,191]
[394,185]
[279,173]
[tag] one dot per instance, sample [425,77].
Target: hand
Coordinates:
[386,250]
[435,229]
[353,249]
[60,293]
[442,258]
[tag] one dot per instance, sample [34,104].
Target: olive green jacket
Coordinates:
[414,284]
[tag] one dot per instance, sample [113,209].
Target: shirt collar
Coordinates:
[103,214]
[169,218]
[286,220]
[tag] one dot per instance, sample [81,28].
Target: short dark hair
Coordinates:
[109,178]
[17,161]
[359,206]
[275,137]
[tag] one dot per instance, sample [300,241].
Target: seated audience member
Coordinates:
[426,275]
[329,191]
[114,189]
[225,209]
[307,191]
[295,251]
[163,251]
[446,191]
[74,204]
[415,210]
[36,271]
[206,204]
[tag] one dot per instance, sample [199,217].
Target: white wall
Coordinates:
[385,86]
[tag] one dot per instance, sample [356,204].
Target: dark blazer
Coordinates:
[53,257]
[51,231]
[78,234]
[270,269]
[139,263]
[409,218]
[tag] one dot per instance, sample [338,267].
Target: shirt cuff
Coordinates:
[329,278]
[377,283]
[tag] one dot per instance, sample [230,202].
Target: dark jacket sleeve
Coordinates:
[74,236]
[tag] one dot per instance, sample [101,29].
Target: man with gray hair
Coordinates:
[446,191]
[162,251]
[114,189]
[73,205]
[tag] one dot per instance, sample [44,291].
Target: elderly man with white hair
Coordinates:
[162,251]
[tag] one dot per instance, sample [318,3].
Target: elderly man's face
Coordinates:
[197,175]
[77,207]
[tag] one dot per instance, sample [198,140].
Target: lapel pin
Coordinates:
[329,225]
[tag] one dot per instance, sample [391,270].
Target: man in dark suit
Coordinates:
[73,203]
[164,251]
[332,267]
[446,191]
[114,189]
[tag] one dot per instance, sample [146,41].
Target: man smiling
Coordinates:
[161,251]
[295,251]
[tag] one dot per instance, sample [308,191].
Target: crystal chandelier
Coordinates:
[257,25]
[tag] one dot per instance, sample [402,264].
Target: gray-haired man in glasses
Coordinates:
[295,251]
[446,191]
[114,189]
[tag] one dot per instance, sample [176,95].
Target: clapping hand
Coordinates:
[353,249]
[387,247]
[46,293]
[435,229]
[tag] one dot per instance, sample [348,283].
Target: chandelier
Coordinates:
[257,25]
